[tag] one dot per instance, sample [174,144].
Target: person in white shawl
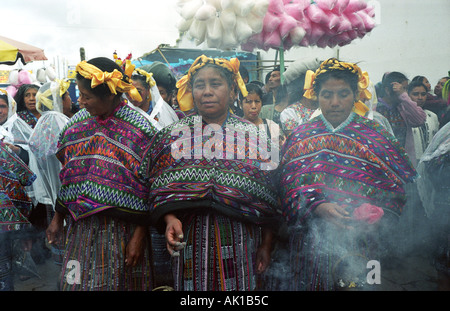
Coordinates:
[44,138]
[43,144]
[434,190]
[159,112]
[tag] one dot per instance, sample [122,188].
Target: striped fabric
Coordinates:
[219,255]
[96,245]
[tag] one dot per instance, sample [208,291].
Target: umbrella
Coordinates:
[12,50]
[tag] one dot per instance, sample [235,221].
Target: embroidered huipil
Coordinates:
[358,162]
[100,163]
[186,165]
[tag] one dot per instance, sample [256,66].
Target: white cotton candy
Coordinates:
[215,3]
[243,30]
[297,34]
[184,25]
[255,22]
[198,30]
[14,77]
[228,20]
[40,75]
[243,7]
[214,31]
[229,39]
[225,4]
[205,12]
[51,74]
[260,7]
[190,9]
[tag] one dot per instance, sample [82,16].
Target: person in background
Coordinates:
[43,142]
[434,190]
[102,195]
[342,179]
[165,82]
[26,104]
[300,108]
[423,134]
[272,84]
[152,104]
[251,107]
[433,102]
[402,113]
[217,229]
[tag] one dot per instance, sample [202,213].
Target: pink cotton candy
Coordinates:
[368,213]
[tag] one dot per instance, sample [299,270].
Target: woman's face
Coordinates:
[427,84]
[3,111]
[144,92]
[95,105]
[419,95]
[439,86]
[67,104]
[212,94]
[336,100]
[30,99]
[251,105]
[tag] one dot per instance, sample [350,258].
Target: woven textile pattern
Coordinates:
[184,163]
[357,163]
[98,245]
[219,255]
[101,161]
[15,205]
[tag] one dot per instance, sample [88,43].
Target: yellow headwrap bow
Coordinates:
[184,95]
[148,79]
[333,64]
[63,86]
[112,79]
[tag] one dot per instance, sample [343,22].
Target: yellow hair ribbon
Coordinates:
[63,86]
[148,76]
[44,100]
[333,64]
[184,95]
[112,79]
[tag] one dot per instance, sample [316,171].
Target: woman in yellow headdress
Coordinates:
[103,195]
[342,179]
[210,194]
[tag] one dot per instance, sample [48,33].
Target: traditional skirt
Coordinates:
[220,255]
[94,258]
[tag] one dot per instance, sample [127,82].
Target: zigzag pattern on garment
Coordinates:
[355,164]
[108,194]
[209,177]
[101,162]
[234,179]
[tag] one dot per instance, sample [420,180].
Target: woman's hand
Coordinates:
[55,229]
[263,254]
[135,249]
[335,214]
[174,235]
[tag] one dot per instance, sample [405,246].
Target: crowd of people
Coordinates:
[212,182]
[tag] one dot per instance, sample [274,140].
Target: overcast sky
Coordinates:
[61,27]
